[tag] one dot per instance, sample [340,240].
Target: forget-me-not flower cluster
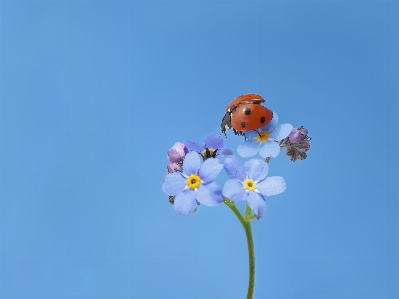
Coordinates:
[194,168]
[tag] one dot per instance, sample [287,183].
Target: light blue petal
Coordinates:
[227,152]
[214,141]
[256,169]
[234,190]
[271,186]
[250,134]
[191,163]
[173,183]
[209,195]
[194,145]
[215,188]
[281,131]
[272,124]
[269,148]
[248,149]
[234,168]
[257,204]
[185,202]
[209,170]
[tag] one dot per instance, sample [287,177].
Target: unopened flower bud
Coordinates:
[294,136]
[303,131]
[297,135]
[172,167]
[177,152]
[297,144]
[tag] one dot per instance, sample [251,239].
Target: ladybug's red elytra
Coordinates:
[246,113]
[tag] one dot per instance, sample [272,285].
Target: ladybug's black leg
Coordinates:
[258,133]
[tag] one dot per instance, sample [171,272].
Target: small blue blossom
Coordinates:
[194,184]
[249,182]
[265,140]
[212,147]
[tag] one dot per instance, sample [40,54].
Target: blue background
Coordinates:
[93,93]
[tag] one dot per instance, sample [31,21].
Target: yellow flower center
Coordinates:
[193,181]
[250,185]
[262,136]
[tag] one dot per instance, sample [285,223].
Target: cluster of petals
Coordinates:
[194,166]
[267,146]
[252,173]
[297,144]
[213,143]
[194,184]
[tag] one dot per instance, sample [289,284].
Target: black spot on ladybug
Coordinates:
[262,119]
[247,111]
[243,124]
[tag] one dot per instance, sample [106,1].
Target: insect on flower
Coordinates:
[246,113]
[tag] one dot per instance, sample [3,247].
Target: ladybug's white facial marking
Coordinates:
[226,122]
[231,109]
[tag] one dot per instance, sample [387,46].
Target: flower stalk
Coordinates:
[246,223]
[194,166]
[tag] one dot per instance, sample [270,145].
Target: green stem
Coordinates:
[246,223]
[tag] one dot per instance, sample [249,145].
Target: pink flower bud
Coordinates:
[173,167]
[177,152]
[303,131]
[294,136]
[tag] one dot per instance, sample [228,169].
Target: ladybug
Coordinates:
[246,113]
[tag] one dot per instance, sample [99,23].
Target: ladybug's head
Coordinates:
[226,123]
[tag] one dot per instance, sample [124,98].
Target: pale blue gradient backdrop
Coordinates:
[92,95]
